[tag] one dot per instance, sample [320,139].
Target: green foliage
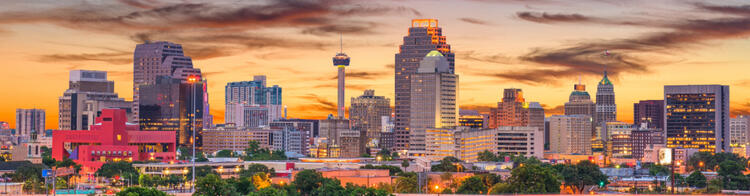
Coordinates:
[243,185]
[714,186]
[405,163]
[255,168]
[582,174]
[448,164]
[120,168]
[501,188]
[269,191]
[385,155]
[186,154]
[68,163]
[140,191]
[225,153]
[731,174]
[472,185]
[392,170]
[711,161]
[658,170]
[534,178]
[406,184]
[487,156]
[201,171]
[696,179]
[32,172]
[211,185]
[255,153]
[308,180]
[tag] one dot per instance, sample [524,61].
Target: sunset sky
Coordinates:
[540,46]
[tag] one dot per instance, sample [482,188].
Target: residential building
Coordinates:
[387,135]
[697,117]
[649,111]
[606,109]
[434,91]
[424,36]
[88,93]
[570,134]
[111,138]
[29,121]
[366,113]
[252,93]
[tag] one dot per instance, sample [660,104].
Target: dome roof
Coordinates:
[434,53]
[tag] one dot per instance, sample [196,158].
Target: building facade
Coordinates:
[366,113]
[738,130]
[649,111]
[570,134]
[174,105]
[644,137]
[88,93]
[606,109]
[338,133]
[252,93]
[434,90]
[29,121]
[526,141]
[697,117]
[424,36]
[230,137]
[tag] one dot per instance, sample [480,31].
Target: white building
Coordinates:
[570,134]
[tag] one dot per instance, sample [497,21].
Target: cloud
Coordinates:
[361,75]
[479,108]
[146,4]
[740,109]
[348,86]
[585,57]
[115,58]
[348,29]
[553,110]
[320,105]
[552,18]
[474,56]
[742,10]
[474,21]
[390,66]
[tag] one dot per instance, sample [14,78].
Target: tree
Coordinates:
[658,170]
[501,188]
[211,185]
[489,180]
[582,174]
[472,185]
[329,187]
[405,163]
[243,185]
[351,189]
[711,161]
[141,191]
[696,179]
[255,168]
[269,191]
[406,184]
[732,177]
[261,180]
[487,156]
[714,186]
[392,170]
[534,178]
[122,169]
[201,171]
[385,155]
[308,180]
[448,164]
[225,153]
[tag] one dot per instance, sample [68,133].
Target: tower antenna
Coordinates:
[341,43]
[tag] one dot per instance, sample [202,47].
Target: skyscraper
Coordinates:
[424,36]
[606,109]
[697,117]
[88,93]
[29,121]
[579,102]
[255,93]
[154,59]
[366,113]
[649,111]
[570,134]
[341,60]
[433,104]
[513,110]
[173,104]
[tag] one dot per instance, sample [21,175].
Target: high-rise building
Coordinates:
[536,117]
[154,59]
[579,102]
[338,134]
[239,95]
[697,117]
[606,109]
[463,143]
[29,121]
[434,95]
[649,111]
[570,134]
[88,93]
[617,137]
[366,113]
[387,137]
[173,104]
[513,110]
[424,36]
[738,130]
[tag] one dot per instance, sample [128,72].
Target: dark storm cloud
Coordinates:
[586,57]
[737,10]
[474,21]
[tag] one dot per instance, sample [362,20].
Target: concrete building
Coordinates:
[513,110]
[463,143]
[250,116]
[29,121]
[230,137]
[536,118]
[616,137]
[471,118]
[111,138]
[579,102]
[251,93]
[434,95]
[338,133]
[649,111]
[526,141]
[606,109]
[644,137]
[366,113]
[697,117]
[88,93]
[570,134]
[424,36]
[175,105]
[738,130]
[387,138]
[299,134]
[154,59]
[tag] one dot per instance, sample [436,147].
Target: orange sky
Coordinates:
[540,46]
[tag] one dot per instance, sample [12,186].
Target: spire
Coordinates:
[341,43]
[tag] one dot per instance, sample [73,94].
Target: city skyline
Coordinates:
[510,47]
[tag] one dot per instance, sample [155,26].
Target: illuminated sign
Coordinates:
[665,156]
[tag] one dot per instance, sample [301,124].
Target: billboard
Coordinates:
[665,156]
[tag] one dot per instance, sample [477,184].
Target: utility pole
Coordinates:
[673,170]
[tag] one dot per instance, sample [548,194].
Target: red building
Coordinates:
[112,138]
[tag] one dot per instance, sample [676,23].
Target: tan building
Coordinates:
[527,141]
[229,137]
[366,113]
[570,134]
[463,143]
[337,133]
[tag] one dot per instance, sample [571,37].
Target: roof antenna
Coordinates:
[579,80]
[341,42]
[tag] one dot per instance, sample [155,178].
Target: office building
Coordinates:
[738,130]
[231,137]
[29,121]
[579,102]
[154,59]
[536,116]
[463,143]
[570,134]
[471,118]
[424,36]
[525,141]
[251,93]
[88,93]
[697,117]
[649,111]
[606,109]
[175,105]
[617,138]
[366,113]
[338,133]
[387,138]
[434,91]
[110,139]
[642,138]
[302,129]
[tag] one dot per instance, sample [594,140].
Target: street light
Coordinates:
[192,80]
